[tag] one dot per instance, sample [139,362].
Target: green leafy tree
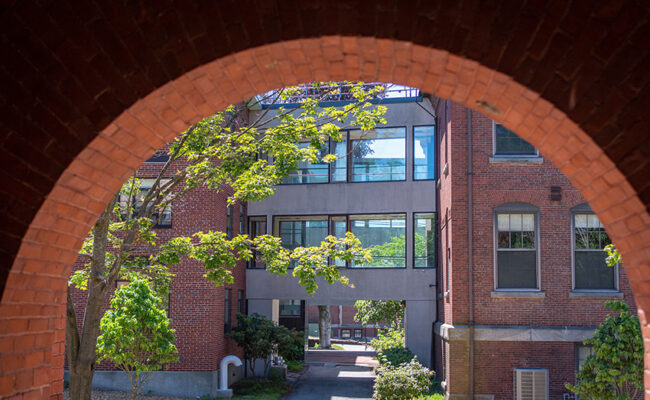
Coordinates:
[377,311]
[614,370]
[407,381]
[136,335]
[220,152]
[260,337]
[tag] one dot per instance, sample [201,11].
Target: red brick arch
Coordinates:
[596,136]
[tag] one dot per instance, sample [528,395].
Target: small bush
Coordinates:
[294,366]
[395,356]
[392,338]
[405,382]
[291,346]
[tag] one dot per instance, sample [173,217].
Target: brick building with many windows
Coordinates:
[522,274]
[497,256]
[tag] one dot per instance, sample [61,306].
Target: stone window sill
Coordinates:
[518,294]
[516,160]
[595,295]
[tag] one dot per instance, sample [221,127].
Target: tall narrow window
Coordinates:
[424,160]
[338,228]
[590,268]
[229,222]
[241,302]
[378,155]
[508,144]
[385,236]
[308,172]
[257,227]
[227,321]
[424,240]
[516,252]
[242,219]
[339,167]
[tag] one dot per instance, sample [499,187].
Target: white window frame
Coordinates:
[494,146]
[584,209]
[516,208]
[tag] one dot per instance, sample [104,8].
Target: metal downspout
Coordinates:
[470,272]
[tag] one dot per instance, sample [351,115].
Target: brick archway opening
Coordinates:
[33,303]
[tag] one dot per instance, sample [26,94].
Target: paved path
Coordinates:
[342,357]
[332,382]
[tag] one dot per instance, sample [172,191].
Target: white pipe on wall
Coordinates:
[223,381]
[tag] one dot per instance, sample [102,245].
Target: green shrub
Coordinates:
[405,382]
[395,356]
[291,346]
[393,337]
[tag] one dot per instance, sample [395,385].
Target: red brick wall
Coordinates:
[196,305]
[495,184]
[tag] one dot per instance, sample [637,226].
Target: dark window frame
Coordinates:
[227,310]
[520,155]
[436,238]
[229,222]
[252,264]
[584,209]
[517,208]
[435,152]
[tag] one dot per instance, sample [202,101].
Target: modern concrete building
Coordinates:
[382,188]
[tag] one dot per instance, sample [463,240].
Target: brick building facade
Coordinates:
[530,320]
[197,308]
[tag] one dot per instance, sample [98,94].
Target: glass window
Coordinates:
[339,228]
[582,353]
[242,219]
[424,150]
[227,322]
[385,236]
[424,237]
[590,268]
[358,334]
[345,333]
[516,251]
[229,222]
[378,155]
[290,308]
[308,172]
[241,302]
[165,220]
[302,232]
[340,166]
[507,143]
[257,227]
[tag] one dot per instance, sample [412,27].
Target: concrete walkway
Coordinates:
[365,358]
[331,382]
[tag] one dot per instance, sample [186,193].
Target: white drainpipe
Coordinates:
[223,381]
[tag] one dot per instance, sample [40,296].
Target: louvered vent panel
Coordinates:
[531,384]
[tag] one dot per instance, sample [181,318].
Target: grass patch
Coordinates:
[333,347]
[436,396]
[294,366]
[259,389]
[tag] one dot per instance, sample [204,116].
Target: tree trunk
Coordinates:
[324,327]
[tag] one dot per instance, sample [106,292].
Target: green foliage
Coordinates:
[377,311]
[393,337]
[255,389]
[291,346]
[294,365]
[615,369]
[260,337]
[395,356]
[613,256]
[136,335]
[407,381]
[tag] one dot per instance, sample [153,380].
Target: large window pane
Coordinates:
[507,143]
[339,167]
[591,270]
[425,241]
[309,172]
[385,236]
[339,228]
[378,155]
[257,227]
[289,308]
[517,270]
[424,152]
[302,233]
[516,254]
